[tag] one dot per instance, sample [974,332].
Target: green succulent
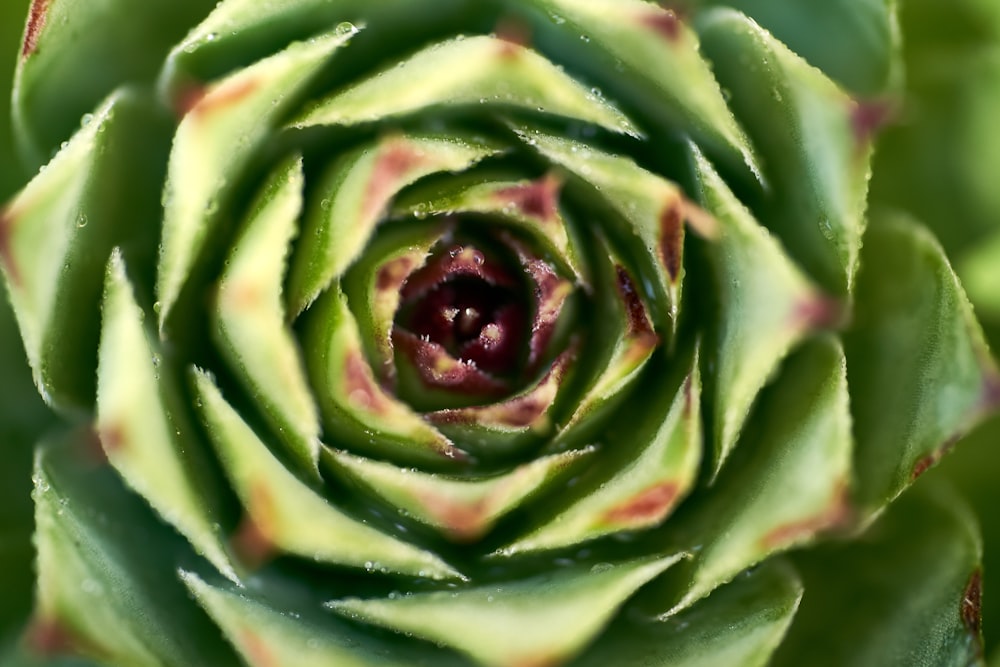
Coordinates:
[511,333]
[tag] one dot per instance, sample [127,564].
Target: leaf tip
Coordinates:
[971,605]
[7,260]
[37,16]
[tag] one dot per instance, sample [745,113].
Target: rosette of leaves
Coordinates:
[538,332]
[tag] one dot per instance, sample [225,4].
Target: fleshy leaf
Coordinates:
[75,53]
[72,213]
[543,620]
[353,197]
[788,482]
[869,67]
[268,634]
[906,593]
[250,316]
[466,71]
[143,430]
[530,206]
[655,468]
[814,144]
[624,342]
[291,516]
[104,561]
[649,214]
[921,374]
[742,623]
[222,127]
[648,56]
[464,509]
[766,306]
[356,411]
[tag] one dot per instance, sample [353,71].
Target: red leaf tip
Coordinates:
[37,16]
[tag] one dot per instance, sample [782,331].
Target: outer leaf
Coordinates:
[71,214]
[789,481]
[250,316]
[645,54]
[543,620]
[906,593]
[220,132]
[76,52]
[466,71]
[353,197]
[143,431]
[766,306]
[290,515]
[921,374]
[104,561]
[742,623]
[869,67]
[812,139]
[267,633]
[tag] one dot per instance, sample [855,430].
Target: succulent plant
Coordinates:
[491,332]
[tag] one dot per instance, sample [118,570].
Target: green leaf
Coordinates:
[819,31]
[288,514]
[646,55]
[741,623]
[979,269]
[72,213]
[352,198]
[647,218]
[653,466]
[267,632]
[356,411]
[906,593]
[12,18]
[250,316]
[104,561]
[143,429]
[787,483]
[76,52]
[464,509]
[766,307]
[225,126]
[466,71]
[814,147]
[543,620]
[921,374]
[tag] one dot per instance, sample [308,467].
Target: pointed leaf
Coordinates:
[250,316]
[648,215]
[906,593]
[742,623]
[353,197]
[787,483]
[661,451]
[766,307]
[921,374]
[356,411]
[647,55]
[226,124]
[72,213]
[543,620]
[466,71]
[144,435]
[288,513]
[104,561]
[269,634]
[463,508]
[812,140]
[75,53]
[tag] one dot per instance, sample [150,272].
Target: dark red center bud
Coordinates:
[471,305]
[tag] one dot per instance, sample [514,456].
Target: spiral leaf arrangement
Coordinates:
[495,333]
